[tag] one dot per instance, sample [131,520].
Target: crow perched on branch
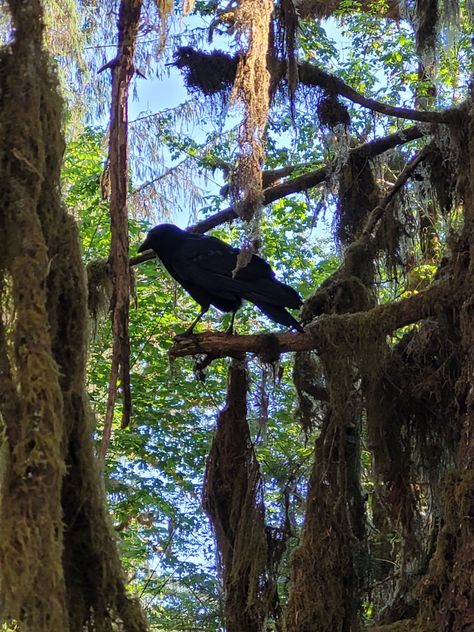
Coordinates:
[204,267]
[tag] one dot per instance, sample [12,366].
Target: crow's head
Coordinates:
[161,236]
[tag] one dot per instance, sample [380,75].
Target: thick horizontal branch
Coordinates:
[323,333]
[221,345]
[300,184]
[310,75]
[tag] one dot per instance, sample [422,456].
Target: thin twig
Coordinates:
[109,412]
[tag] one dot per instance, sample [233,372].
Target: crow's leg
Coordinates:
[230,328]
[189,330]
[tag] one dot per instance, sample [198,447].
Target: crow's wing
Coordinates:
[207,253]
[203,266]
[208,263]
[212,254]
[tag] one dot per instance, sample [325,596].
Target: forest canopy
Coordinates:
[264,480]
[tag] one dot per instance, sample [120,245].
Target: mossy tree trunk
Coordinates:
[59,566]
[447,593]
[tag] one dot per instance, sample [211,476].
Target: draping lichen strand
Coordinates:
[287,36]
[252,89]
[329,564]
[231,499]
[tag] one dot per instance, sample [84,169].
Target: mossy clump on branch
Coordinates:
[100,288]
[332,112]
[358,195]
[232,499]
[208,73]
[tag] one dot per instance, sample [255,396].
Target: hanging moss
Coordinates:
[308,378]
[99,285]
[287,43]
[329,565]
[207,73]
[358,195]
[31,580]
[447,592]
[253,89]
[443,179]
[332,112]
[232,501]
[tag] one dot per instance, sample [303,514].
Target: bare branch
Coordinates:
[310,74]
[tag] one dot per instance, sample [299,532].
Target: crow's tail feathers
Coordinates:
[269,292]
[279,315]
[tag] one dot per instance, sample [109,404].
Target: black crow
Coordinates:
[204,267]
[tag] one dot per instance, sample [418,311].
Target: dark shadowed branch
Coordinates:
[299,184]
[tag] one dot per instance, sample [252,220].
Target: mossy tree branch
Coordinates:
[311,75]
[326,330]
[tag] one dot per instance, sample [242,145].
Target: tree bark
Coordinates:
[122,73]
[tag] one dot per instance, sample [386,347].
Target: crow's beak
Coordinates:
[144,246]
